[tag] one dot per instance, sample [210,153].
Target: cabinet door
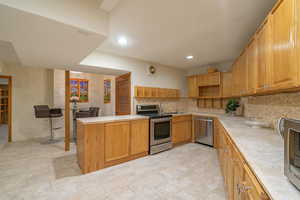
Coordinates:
[227,84]
[181,131]
[252,66]
[213,78]
[284,71]
[188,131]
[178,135]
[243,74]
[229,169]
[235,78]
[251,189]
[192,86]
[139,136]
[117,140]
[238,175]
[264,54]
[201,80]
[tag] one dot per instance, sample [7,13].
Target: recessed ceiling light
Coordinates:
[189,57]
[122,41]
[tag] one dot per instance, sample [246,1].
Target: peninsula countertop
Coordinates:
[113,118]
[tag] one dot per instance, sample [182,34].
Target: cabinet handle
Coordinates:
[245,188]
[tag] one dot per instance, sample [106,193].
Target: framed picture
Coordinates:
[107,91]
[80,89]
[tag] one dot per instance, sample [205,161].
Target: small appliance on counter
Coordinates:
[160,128]
[290,131]
[203,128]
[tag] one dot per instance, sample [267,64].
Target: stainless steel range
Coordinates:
[160,128]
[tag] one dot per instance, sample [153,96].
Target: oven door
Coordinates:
[160,131]
[292,151]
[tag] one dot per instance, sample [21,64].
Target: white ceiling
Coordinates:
[165,31]
[43,42]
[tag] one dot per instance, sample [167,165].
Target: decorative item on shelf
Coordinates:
[212,70]
[232,106]
[152,69]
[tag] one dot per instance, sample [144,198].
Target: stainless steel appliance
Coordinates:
[290,131]
[160,128]
[203,128]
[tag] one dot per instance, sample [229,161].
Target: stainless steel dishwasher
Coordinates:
[204,132]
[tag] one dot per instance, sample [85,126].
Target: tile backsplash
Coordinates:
[264,108]
[271,107]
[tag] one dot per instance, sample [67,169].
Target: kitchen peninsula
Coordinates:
[110,140]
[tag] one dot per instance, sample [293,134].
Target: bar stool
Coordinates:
[43,111]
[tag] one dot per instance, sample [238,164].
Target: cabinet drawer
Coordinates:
[182,118]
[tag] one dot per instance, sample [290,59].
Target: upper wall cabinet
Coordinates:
[210,79]
[264,56]
[193,87]
[252,66]
[284,70]
[243,76]
[227,84]
[240,75]
[148,92]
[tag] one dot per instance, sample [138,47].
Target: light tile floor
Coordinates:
[30,171]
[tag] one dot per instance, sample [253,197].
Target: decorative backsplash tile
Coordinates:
[270,108]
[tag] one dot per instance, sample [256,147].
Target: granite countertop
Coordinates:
[113,118]
[264,151]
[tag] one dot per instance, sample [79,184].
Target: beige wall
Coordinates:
[96,91]
[31,86]
[165,76]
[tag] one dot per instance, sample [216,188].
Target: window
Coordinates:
[80,89]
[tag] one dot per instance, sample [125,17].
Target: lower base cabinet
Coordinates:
[106,144]
[240,182]
[181,129]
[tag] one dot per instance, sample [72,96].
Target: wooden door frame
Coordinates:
[67,111]
[9,106]
[117,99]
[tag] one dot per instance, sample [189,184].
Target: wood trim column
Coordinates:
[67,111]
[10,109]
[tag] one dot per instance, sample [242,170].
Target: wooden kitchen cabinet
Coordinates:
[243,74]
[149,92]
[101,145]
[117,141]
[264,56]
[251,66]
[139,136]
[193,90]
[298,38]
[238,175]
[181,129]
[284,69]
[240,181]
[235,79]
[227,84]
[250,188]
[210,79]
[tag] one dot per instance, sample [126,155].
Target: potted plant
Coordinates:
[232,106]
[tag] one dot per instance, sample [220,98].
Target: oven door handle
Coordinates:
[161,120]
